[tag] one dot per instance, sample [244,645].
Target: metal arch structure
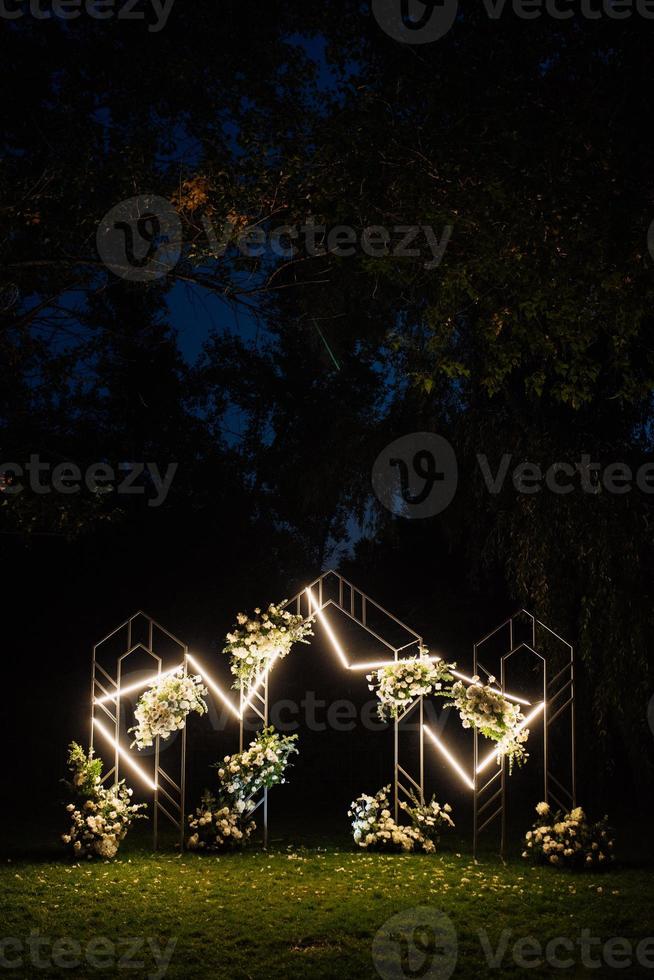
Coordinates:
[558,706]
[168,794]
[107,691]
[331,589]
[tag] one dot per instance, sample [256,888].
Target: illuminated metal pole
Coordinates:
[422,750]
[182,775]
[265,789]
[475,773]
[572,725]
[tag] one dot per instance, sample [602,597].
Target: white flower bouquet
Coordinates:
[398,684]
[217,827]
[373,828]
[164,707]
[253,643]
[488,711]
[429,819]
[223,820]
[569,840]
[263,764]
[101,816]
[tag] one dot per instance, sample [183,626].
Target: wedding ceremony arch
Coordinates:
[142,638]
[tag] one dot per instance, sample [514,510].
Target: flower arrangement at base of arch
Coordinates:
[223,820]
[373,827]
[217,826]
[429,819]
[569,840]
[100,816]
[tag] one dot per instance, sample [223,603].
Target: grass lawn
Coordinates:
[312,912]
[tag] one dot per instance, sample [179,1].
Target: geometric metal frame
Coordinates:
[167,793]
[558,707]
[310,603]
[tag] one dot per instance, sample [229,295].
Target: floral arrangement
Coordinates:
[254,642]
[569,840]
[429,819]
[164,707]
[100,817]
[219,827]
[263,764]
[398,684]
[373,828]
[223,820]
[488,711]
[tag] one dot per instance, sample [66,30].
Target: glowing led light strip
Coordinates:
[124,755]
[385,663]
[505,694]
[339,649]
[327,628]
[259,680]
[523,724]
[313,605]
[136,686]
[450,758]
[433,659]
[217,690]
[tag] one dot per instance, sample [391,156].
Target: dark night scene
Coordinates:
[326,489]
